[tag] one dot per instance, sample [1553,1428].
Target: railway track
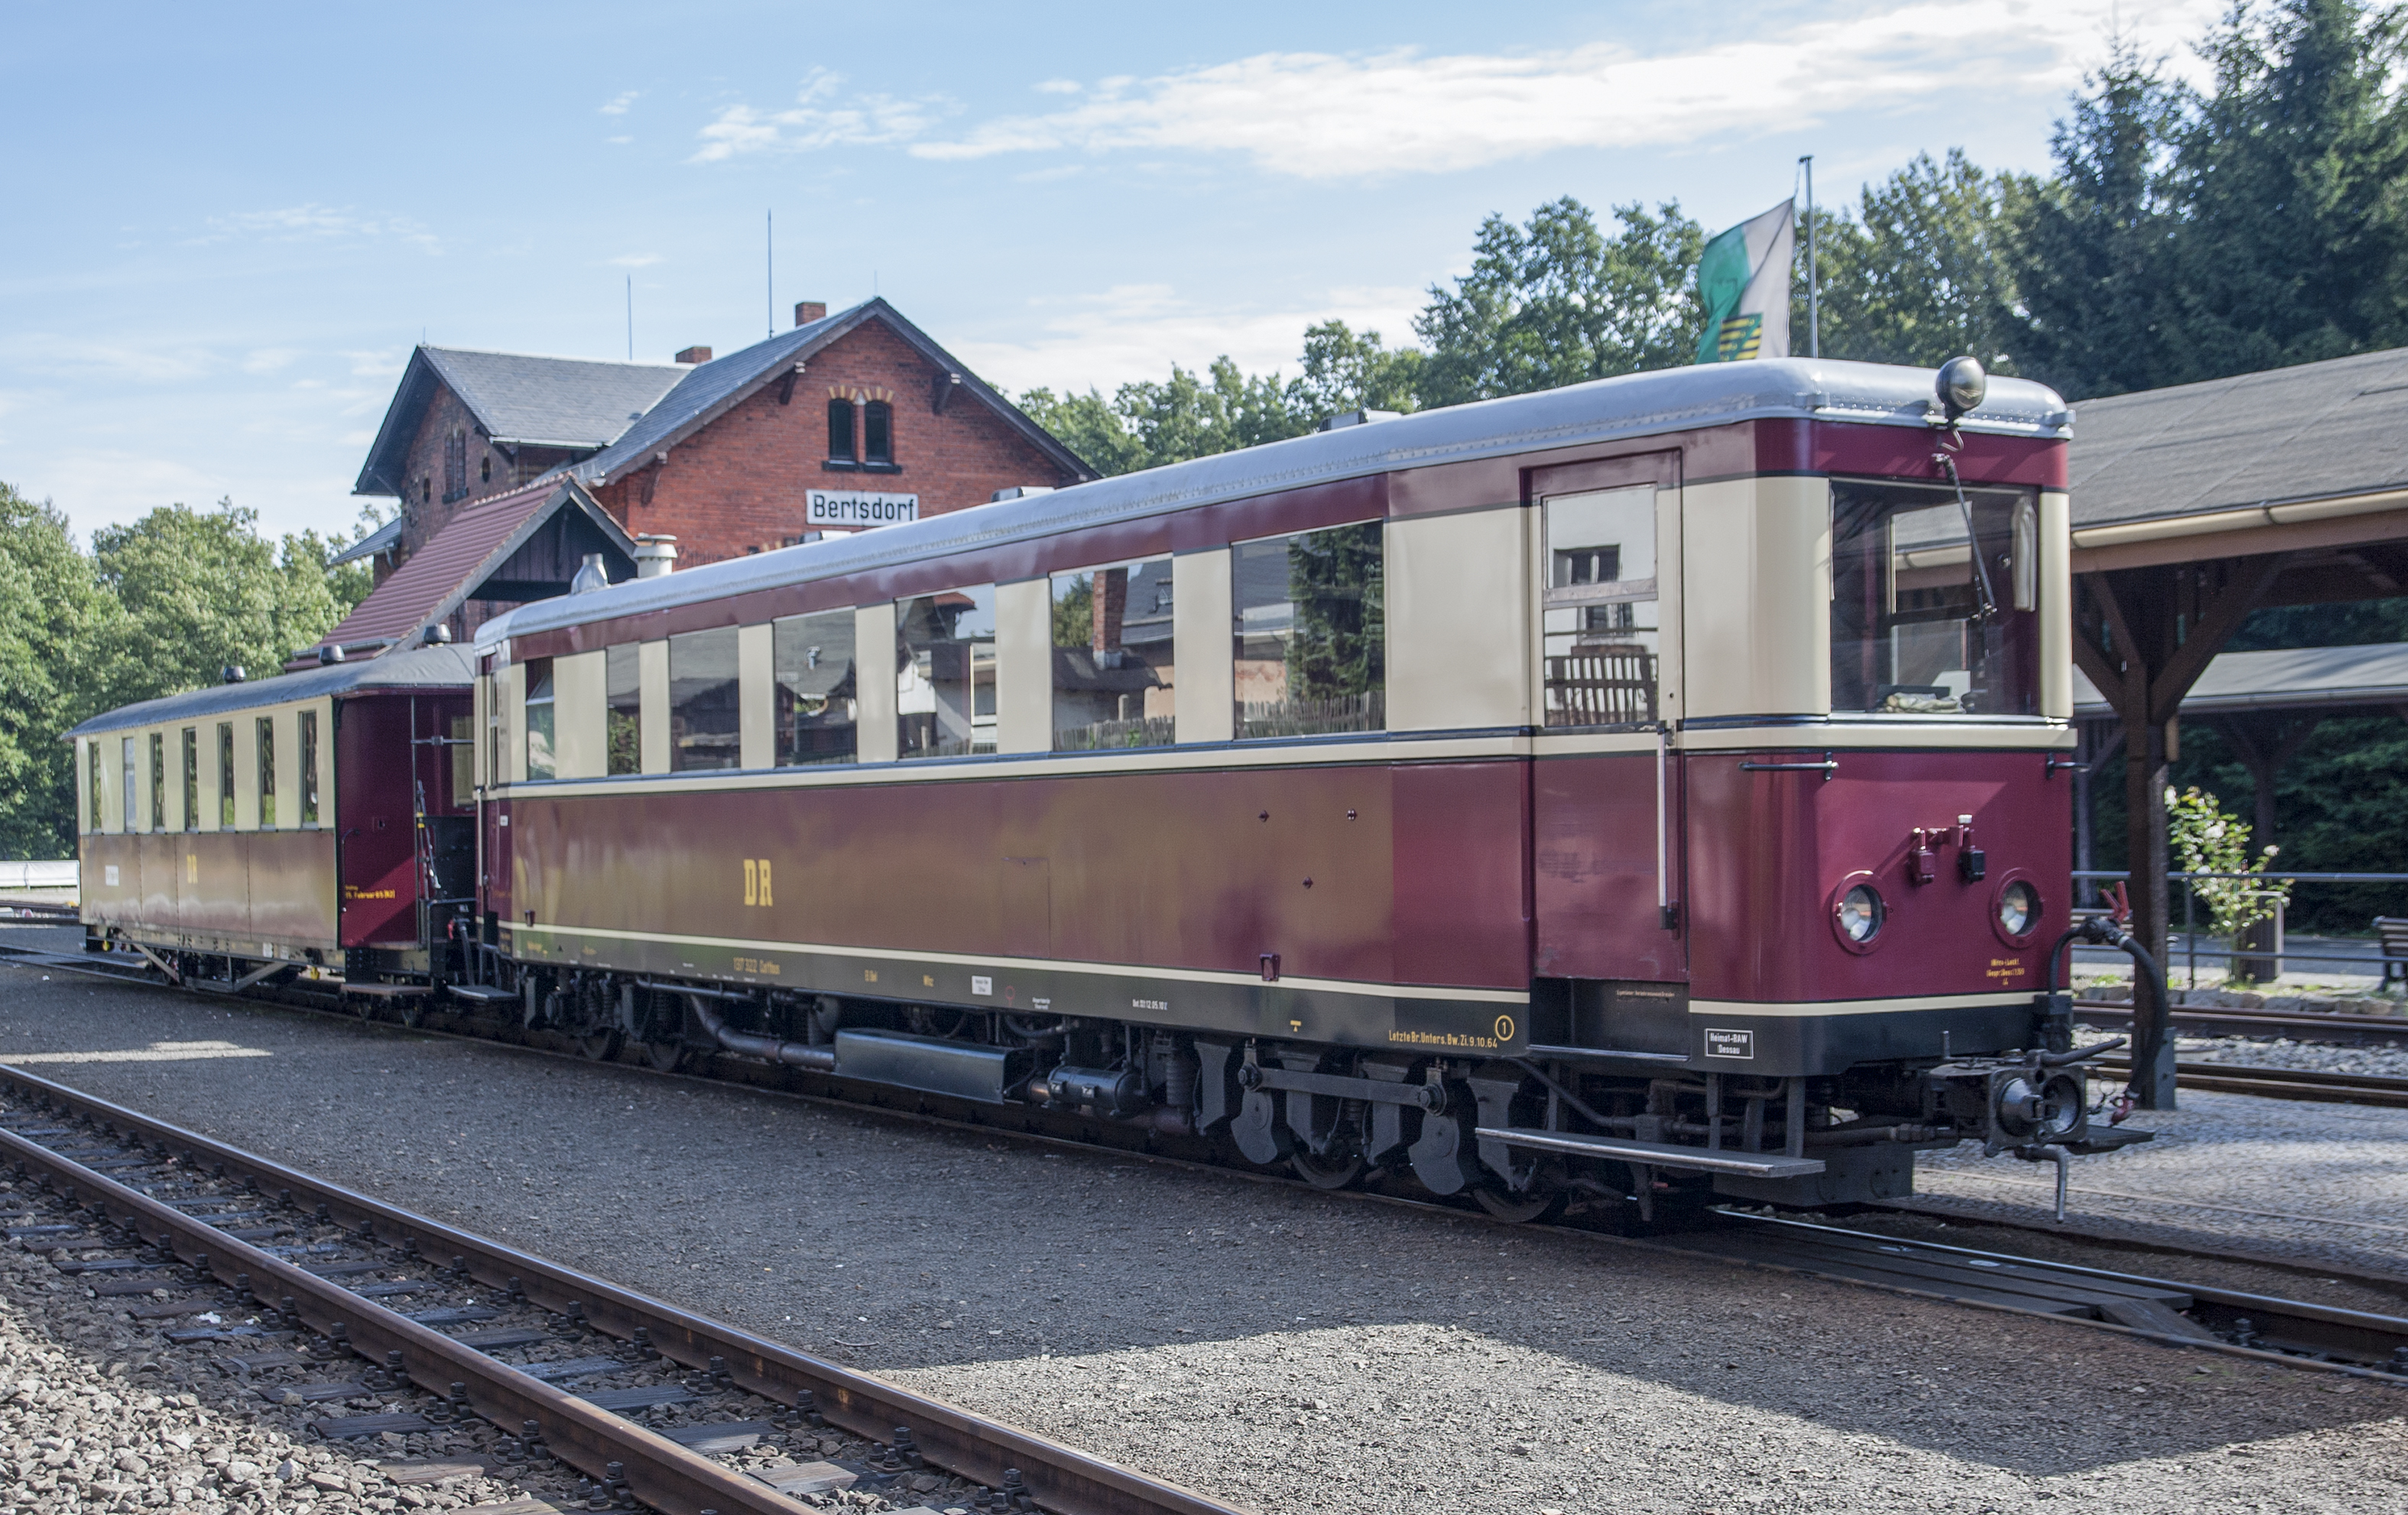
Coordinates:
[2299,1332]
[648,1402]
[2338,1030]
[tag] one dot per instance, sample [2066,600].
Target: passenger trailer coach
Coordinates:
[1626,795]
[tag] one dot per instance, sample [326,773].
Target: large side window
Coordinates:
[267,746]
[1603,636]
[540,701]
[225,776]
[158,781]
[129,804]
[192,754]
[1312,632]
[819,707]
[308,767]
[1934,601]
[623,690]
[1113,667]
[944,680]
[706,717]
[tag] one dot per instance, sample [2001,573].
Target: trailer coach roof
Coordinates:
[426,667]
[1606,409]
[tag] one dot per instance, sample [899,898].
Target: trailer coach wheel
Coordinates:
[410,1010]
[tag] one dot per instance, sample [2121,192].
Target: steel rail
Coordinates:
[2303,1025]
[2285,1083]
[1061,1479]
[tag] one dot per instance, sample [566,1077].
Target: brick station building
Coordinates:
[846,420]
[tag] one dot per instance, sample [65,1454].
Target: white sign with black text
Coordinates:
[860,508]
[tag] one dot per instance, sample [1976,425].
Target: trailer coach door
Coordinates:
[1607,854]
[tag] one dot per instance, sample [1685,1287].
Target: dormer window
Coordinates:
[841,432]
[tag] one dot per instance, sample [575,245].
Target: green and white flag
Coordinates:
[1743,283]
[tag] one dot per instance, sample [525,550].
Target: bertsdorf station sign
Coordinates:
[860,508]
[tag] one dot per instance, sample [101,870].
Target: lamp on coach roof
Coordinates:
[231,674]
[1962,386]
[331,653]
[438,634]
[655,556]
[591,576]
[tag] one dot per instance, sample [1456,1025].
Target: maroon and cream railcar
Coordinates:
[1646,789]
[306,823]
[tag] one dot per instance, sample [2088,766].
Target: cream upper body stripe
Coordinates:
[1343,986]
[1798,1009]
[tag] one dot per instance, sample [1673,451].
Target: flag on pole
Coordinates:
[1743,283]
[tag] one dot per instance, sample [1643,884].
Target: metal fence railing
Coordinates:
[2277,951]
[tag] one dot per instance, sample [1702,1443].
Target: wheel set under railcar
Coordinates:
[1663,810]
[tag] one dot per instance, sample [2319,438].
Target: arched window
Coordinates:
[877,433]
[841,432]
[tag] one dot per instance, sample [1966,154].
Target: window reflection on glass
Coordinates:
[192,744]
[1311,630]
[944,679]
[158,782]
[818,694]
[623,696]
[538,717]
[1921,622]
[308,767]
[1603,635]
[706,718]
[93,787]
[265,744]
[128,807]
[1112,672]
[225,776]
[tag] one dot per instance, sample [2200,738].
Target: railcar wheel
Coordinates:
[410,1010]
[1336,1172]
[1520,1209]
[601,1044]
[664,1057]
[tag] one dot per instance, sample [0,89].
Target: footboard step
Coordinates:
[1662,1154]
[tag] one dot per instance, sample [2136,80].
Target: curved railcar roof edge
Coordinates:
[425,668]
[1601,410]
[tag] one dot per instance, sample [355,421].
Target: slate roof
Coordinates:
[1634,405]
[435,581]
[518,399]
[376,541]
[2284,679]
[425,668]
[2311,431]
[710,390]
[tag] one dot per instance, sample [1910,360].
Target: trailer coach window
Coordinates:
[93,787]
[705,715]
[266,729]
[538,717]
[623,691]
[944,680]
[191,746]
[158,781]
[225,776]
[1311,632]
[818,697]
[1603,635]
[1925,620]
[1112,683]
[127,807]
[308,767]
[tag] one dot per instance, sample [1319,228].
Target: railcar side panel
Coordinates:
[1594,829]
[1462,872]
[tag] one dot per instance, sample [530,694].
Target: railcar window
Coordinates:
[944,677]
[93,786]
[158,781]
[225,776]
[877,432]
[126,808]
[1604,638]
[538,721]
[1927,620]
[308,767]
[1311,632]
[840,431]
[1112,668]
[819,694]
[705,715]
[191,746]
[266,745]
[624,697]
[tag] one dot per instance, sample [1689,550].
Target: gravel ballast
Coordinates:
[1274,1346]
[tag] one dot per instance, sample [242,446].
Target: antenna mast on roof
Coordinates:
[631,318]
[770,272]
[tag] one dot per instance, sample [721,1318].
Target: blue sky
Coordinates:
[231,223]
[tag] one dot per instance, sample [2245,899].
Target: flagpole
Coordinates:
[1814,293]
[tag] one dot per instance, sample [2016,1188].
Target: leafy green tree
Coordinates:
[1558,302]
[1089,426]
[1924,272]
[49,607]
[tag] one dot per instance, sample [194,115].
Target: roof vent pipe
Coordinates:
[655,556]
[590,576]
[1357,418]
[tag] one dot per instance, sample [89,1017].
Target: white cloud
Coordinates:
[1138,330]
[1330,116]
[634,260]
[316,223]
[619,103]
[815,121]
[267,360]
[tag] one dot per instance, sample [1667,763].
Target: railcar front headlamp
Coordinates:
[1861,914]
[2018,909]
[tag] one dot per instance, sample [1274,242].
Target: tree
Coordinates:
[1349,370]
[1925,272]
[1089,426]
[1557,302]
[49,605]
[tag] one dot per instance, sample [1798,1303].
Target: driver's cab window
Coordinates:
[1603,635]
[1934,600]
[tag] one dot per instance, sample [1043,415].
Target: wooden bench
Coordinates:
[2392,932]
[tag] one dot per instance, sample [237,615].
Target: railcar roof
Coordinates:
[1606,409]
[425,668]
